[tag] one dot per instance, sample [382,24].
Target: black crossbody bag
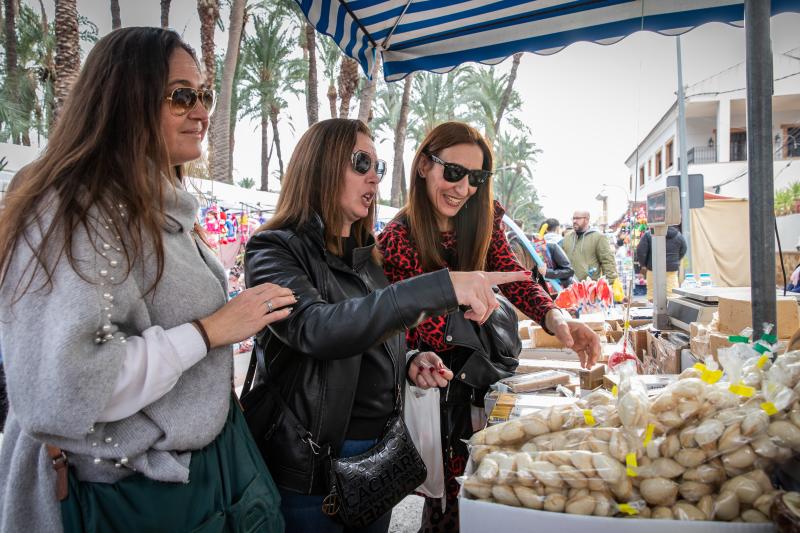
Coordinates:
[363,487]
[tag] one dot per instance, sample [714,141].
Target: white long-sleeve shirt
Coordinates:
[153,363]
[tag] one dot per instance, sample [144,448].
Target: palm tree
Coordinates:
[348,82]
[220,129]
[507,93]
[368,94]
[391,121]
[312,98]
[116,20]
[268,73]
[486,92]
[35,45]
[208,11]
[165,4]
[513,175]
[436,99]
[68,51]
[399,195]
[330,56]
[9,87]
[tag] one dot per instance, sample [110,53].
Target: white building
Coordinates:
[716,133]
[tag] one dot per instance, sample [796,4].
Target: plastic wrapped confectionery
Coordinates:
[702,449]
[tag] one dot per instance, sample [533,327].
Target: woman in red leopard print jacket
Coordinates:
[451,221]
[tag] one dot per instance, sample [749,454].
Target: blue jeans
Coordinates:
[303,514]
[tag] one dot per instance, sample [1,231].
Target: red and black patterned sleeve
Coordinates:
[401,261]
[528,296]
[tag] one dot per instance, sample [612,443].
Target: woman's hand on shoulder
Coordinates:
[427,370]
[474,290]
[247,313]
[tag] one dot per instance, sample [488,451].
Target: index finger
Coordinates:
[500,278]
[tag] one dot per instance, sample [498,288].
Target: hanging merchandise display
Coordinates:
[212,226]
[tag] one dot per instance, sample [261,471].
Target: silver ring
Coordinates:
[269,306]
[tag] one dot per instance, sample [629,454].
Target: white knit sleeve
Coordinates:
[152,364]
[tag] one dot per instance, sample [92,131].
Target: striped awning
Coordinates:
[439,35]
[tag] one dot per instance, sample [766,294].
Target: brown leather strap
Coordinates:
[59,459]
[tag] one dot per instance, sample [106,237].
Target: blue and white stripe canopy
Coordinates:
[439,35]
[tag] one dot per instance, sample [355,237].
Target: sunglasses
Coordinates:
[362,162]
[183,99]
[454,173]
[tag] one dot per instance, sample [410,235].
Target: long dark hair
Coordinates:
[313,182]
[106,153]
[473,222]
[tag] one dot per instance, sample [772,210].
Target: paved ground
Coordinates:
[406,516]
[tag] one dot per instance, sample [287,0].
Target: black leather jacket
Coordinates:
[313,358]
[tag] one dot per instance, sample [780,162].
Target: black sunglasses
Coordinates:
[454,172]
[362,162]
[183,99]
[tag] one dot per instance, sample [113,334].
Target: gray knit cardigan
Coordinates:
[63,348]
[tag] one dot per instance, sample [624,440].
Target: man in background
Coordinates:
[588,250]
[676,249]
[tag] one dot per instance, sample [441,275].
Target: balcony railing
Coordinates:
[701,154]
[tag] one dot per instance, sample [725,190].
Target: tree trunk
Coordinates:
[398,177]
[273,117]
[348,81]
[48,77]
[68,52]
[264,149]
[116,20]
[312,100]
[220,122]
[208,10]
[10,15]
[165,13]
[403,190]
[332,95]
[368,95]
[507,93]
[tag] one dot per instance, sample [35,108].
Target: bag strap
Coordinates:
[251,371]
[59,460]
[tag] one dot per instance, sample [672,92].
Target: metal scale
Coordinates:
[663,211]
[699,304]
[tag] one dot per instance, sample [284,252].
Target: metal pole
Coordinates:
[687,222]
[658,240]
[759,162]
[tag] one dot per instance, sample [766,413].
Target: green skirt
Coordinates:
[229,490]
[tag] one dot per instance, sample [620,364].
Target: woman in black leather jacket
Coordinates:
[338,359]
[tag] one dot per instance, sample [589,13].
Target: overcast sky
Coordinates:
[588,105]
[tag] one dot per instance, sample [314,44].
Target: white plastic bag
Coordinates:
[422,418]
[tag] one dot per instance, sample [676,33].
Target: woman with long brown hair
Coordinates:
[116,335]
[452,221]
[336,364]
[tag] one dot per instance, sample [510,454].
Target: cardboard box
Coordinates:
[534,381]
[638,338]
[589,378]
[542,339]
[735,314]
[663,352]
[502,406]
[653,383]
[531,352]
[595,321]
[524,329]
